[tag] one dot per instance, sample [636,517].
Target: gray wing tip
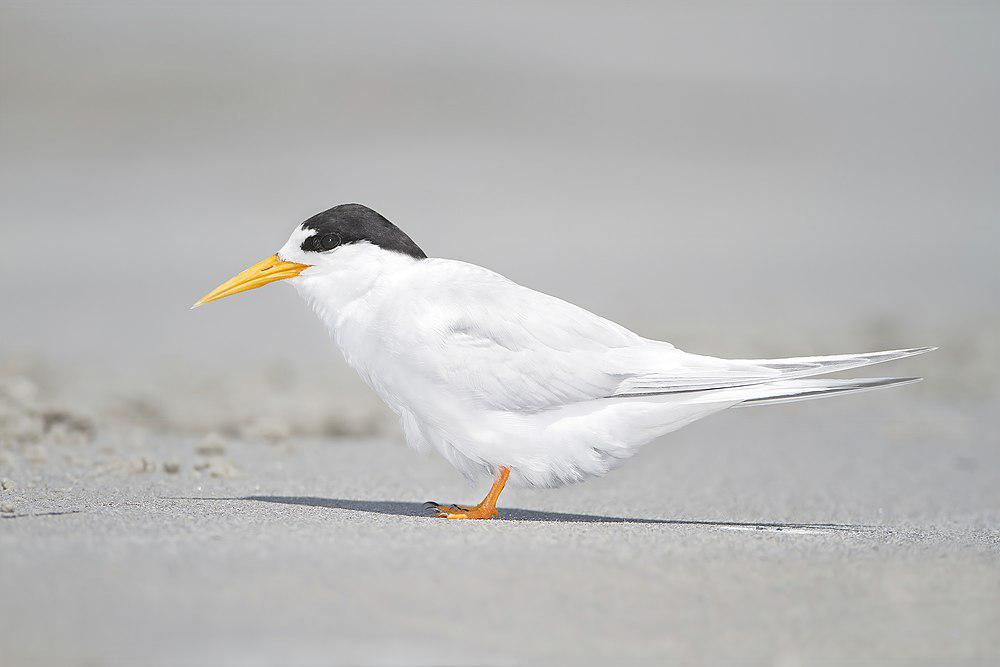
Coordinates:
[817,389]
[874,383]
[885,382]
[907,352]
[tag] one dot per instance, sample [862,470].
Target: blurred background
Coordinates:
[742,179]
[696,165]
[776,180]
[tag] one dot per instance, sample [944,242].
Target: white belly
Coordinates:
[546,448]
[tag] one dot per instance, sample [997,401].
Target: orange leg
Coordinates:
[487,509]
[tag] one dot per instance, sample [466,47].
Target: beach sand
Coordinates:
[859,529]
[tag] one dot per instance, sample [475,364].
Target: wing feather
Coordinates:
[507,347]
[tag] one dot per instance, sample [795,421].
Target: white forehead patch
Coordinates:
[292,250]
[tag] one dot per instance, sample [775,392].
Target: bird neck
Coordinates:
[359,270]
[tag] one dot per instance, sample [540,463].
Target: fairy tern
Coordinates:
[506,382]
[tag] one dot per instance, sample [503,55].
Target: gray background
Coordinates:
[671,167]
[767,179]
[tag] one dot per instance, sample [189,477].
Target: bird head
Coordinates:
[331,241]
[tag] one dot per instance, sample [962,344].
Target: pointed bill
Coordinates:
[263,272]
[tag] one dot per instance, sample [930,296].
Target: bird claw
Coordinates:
[454,511]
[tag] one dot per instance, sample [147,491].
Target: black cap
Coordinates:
[352,223]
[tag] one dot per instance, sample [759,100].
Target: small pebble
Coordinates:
[212,444]
[223,469]
[171,467]
[217,468]
[6,484]
[266,429]
[6,508]
[143,465]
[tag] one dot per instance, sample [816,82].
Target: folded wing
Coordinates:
[511,348]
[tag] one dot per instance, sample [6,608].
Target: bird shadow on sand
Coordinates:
[399,508]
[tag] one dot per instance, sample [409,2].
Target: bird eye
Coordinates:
[329,241]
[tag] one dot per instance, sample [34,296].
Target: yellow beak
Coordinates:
[263,272]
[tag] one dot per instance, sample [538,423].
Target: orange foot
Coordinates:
[460,511]
[487,509]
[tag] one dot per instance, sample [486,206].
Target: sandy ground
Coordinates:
[860,529]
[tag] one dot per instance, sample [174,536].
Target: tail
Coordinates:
[788,391]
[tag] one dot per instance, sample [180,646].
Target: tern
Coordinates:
[505,382]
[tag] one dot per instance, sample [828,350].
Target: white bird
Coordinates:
[504,381]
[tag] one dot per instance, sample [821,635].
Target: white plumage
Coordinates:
[491,374]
